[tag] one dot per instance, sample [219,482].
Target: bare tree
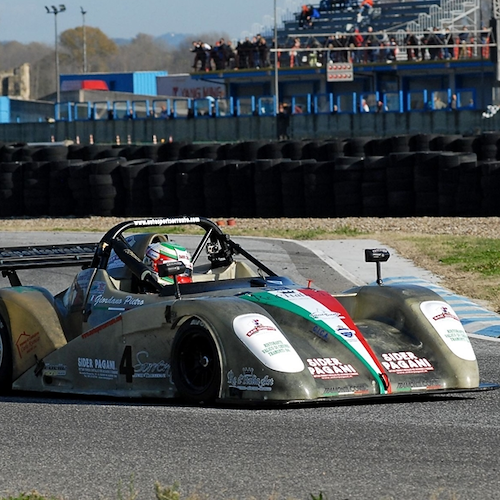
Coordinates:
[100,49]
[143,53]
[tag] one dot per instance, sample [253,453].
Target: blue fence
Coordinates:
[347,103]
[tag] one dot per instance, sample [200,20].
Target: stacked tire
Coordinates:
[11,189]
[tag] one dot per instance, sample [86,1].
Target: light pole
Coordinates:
[55,10]
[84,42]
[276,88]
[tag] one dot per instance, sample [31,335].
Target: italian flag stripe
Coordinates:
[327,317]
[334,305]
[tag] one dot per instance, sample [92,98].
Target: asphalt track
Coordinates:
[432,448]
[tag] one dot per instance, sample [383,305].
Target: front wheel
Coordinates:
[5,359]
[195,364]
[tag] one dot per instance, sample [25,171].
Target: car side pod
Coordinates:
[377,255]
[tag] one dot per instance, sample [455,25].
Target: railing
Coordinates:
[348,102]
[307,50]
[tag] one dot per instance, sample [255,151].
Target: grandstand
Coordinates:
[417,16]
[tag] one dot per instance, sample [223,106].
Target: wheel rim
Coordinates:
[198,362]
[1,351]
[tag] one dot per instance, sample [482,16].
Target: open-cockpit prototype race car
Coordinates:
[234,333]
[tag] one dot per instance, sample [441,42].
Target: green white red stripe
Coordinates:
[326,311]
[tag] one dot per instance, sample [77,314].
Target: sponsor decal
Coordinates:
[320,332]
[357,390]
[98,287]
[113,302]
[405,362]
[328,314]
[96,368]
[418,385]
[259,327]
[167,222]
[267,343]
[249,381]
[58,370]
[101,327]
[330,368]
[345,332]
[276,347]
[446,312]
[149,369]
[448,326]
[26,343]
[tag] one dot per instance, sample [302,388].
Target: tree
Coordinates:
[100,49]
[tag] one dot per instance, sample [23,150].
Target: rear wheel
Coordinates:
[5,359]
[196,364]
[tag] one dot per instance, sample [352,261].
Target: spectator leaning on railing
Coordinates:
[354,46]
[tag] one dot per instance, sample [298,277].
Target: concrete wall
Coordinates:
[229,129]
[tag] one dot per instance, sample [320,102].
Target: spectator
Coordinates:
[295,53]
[330,44]
[380,107]
[283,121]
[200,56]
[129,115]
[163,112]
[447,44]
[464,40]
[453,105]
[411,41]
[438,103]
[370,41]
[364,106]
[314,59]
[304,15]
[263,53]
[433,42]
[230,56]
[355,41]
[255,57]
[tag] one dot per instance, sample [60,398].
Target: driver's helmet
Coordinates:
[159,253]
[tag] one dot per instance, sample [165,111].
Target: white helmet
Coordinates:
[159,253]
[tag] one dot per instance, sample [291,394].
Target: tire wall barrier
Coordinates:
[399,176]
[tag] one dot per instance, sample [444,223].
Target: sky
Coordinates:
[27,21]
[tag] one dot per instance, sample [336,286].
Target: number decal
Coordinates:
[126,367]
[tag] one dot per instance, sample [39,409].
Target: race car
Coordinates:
[147,318]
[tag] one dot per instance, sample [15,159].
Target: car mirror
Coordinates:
[377,255]
[173,268]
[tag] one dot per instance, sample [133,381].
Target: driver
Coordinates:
[158,253]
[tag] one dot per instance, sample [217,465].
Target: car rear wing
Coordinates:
[13,259]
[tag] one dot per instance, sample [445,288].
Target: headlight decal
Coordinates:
[449,327]
[264,339]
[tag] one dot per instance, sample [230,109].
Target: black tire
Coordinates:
[196,369]
[5,359]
